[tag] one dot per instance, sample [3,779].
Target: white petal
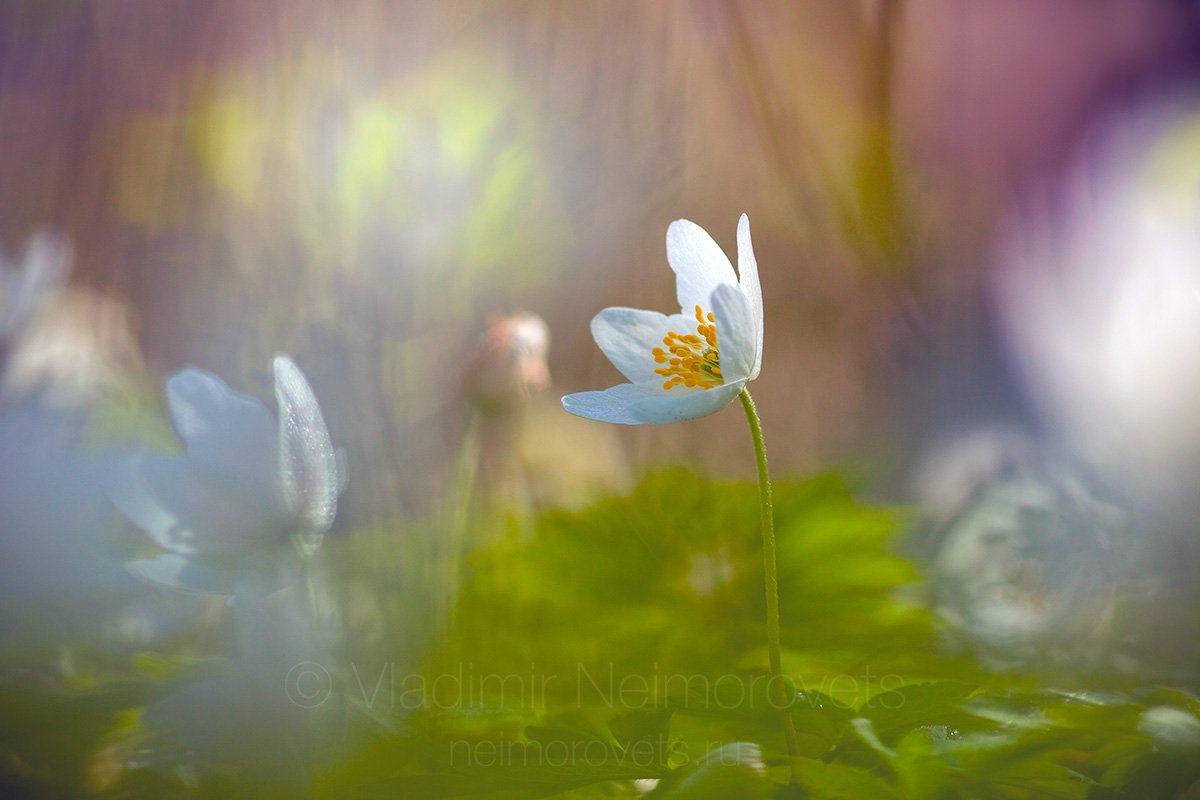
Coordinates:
[628,335]
[735,332]
[675,407]
[612,404]
[308,468]
[223,429]
[748,273]
[191,509]
[649,404]
[699,264]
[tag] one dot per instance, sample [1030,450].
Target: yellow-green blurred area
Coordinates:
[977,225]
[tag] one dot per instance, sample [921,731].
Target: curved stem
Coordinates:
[770,569]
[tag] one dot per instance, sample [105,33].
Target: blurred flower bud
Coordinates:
[509,363]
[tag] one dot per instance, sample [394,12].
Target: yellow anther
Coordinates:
[694,359]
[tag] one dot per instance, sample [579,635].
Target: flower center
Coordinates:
[691,359]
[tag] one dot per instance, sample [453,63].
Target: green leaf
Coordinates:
[731,771]
[839,782]
[539,768]
[896,711]
[736,696]
[645,734]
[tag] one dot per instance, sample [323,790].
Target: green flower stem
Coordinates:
[462,497]
[306,571]
[770,568]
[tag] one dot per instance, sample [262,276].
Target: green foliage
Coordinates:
[671,577]
[615,652]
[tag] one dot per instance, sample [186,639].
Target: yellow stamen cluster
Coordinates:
[691,359]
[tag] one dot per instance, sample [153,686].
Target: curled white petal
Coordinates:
[751,288]
[699,264]
[308,470]
[736,332]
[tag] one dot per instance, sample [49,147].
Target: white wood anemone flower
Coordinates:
[245,480]
[689,364]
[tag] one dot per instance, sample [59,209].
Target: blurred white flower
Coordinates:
[244,479]
[1103,311]
[1025,564]
[26,281]
[1172,729]
[690,364]
[955,470]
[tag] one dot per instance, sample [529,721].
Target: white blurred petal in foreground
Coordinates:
[244,480]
